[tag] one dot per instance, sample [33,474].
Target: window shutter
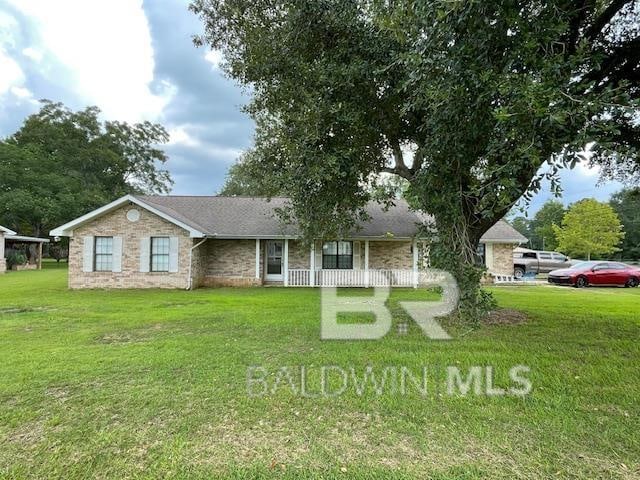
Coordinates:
[488,254]
[173,254]
[87,254]
[116,264]
[145,254]
[318,255]
[356,255]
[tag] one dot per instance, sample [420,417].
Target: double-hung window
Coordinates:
[481,254]
[337,255]
[159,254]
[103,256]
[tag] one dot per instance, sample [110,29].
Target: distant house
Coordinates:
[10,241]
[191,241]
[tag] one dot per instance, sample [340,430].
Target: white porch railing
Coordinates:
[351,278]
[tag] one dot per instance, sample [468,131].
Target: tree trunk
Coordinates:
[454,249]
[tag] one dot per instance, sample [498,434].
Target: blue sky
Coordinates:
[135,60]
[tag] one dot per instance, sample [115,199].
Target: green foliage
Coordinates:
[522,225]
[589,228]
[626,203]
[482,94]
[61,164]
[243,179]
[543,235]
[16,258]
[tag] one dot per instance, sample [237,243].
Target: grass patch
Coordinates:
[154,384]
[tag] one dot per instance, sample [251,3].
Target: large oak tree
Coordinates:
[464,99]
[61,164]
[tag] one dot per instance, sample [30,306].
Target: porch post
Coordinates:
[415,263]
[286,262]
[366,263]
[312,264]
[258,258]
[39,255]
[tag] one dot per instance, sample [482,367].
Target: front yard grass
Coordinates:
[125,384]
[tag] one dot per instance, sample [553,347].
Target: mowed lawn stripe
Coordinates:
[154,384]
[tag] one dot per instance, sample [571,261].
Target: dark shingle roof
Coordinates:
[238,217]
[257,217]
[503,232]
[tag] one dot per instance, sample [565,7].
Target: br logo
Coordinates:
[423,313]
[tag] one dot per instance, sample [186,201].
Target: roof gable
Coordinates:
[67,229]
[6,231]
[503,232]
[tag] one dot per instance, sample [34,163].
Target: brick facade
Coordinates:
[389,255]
[220,262]
[116,224]
[299,255]
[231,263]
[502,261]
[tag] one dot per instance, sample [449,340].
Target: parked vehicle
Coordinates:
[534,261]
[597,273]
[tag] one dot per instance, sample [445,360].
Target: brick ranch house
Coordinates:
[192,241]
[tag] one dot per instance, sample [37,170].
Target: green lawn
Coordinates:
[125,384]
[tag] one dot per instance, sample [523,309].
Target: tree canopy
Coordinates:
[465,100]
[61,164]
[589,228]
[626,203]
[244,179]
[543,236]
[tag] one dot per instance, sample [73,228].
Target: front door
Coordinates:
[273,256]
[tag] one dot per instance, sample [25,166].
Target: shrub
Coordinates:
[16,258]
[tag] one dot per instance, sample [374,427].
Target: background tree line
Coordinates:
[587,216]
[62,164]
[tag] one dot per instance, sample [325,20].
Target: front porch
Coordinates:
[352,278]
[288,262]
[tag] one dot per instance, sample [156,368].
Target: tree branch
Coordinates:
[578,18]
[605,17]
[400,168]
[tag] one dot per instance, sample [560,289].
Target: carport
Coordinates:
[32,246]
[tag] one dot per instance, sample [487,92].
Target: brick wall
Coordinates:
[299,255]
[116,224]
[389,255]
[231,263]
[503,258]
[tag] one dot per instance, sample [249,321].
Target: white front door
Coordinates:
[274,257]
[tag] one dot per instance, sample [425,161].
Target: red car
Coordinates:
[584,274]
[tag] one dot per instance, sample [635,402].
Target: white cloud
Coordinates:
[214,57]
[21,92]
[10,72]
[33,53]
[106,47]
[180,136]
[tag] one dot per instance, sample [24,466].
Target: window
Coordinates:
[531,255]
[559,257]
[337,255]
[544,256]
[481,254]
[103,256]
[159,254]
[617,266]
